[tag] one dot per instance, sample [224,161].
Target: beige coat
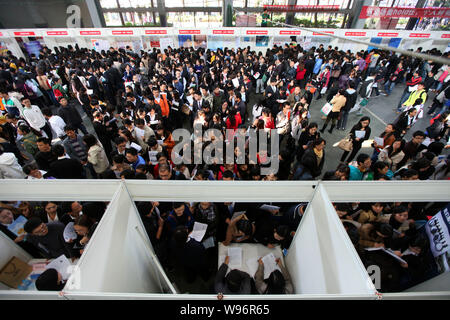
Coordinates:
[97,157]
[393,161]
[338,102]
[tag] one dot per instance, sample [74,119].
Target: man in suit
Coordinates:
[103,131]
[70,115]
[136,102]
[406,121]
[45,156]
[64,167]
[272,95]
[240,105]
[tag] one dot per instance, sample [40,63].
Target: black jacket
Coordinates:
[351,100]
[44,160]
[66,169]
[309,162]
[70,115]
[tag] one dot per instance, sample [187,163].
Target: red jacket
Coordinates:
[300,73]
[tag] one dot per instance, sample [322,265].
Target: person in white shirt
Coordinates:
[35,118]
[57,124]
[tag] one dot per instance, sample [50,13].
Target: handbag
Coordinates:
[345,144]
[326,109]
[185,109]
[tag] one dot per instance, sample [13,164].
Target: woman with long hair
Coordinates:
[362,125]
[389,136]
[393,154]
[279,282]
[96,154]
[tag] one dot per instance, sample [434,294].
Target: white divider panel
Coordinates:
[57,190]
[304,261]
[322,256]
[117,258]
[387,191]
[221,191]
[9,249]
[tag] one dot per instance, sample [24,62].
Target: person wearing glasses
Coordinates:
[47,237]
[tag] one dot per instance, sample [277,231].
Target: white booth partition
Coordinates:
[119,257]
[8,250]
[322,259]
[119,261]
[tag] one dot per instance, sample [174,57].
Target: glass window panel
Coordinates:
[181,19]
[124,3]
[112,19]
[175,3]
[108,4]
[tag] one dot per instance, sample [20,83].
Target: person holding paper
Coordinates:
[188,256]
[359,133]
[235,282]
[239,229]
[338,102]
[50,280]
[393,154]
[180,216]
[279,282]
[386,138]
[206,212]
[47,237]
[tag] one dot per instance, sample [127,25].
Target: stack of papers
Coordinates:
[69,232]
[270,265]
[360,133]
[198,232]
[62,265]
[235,255]
[17,226]
[379,141]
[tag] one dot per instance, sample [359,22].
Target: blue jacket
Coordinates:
[355,174]
[173,220]
[138,162]
[317,66]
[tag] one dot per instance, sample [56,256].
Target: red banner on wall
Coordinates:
[57,33]
[154,44]
[445,36]
[155,31]
[122,32]
[419,35]
[398,12]
[319,34]
[355,34]
[257,32]
[90,33]
[189,31]
[284,32]
[223,31]
[26,34]
[388,34]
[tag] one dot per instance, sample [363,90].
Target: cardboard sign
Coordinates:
[14,272]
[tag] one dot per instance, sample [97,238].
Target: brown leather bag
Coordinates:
[346,144]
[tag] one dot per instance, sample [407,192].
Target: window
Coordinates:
[112,19]
[175,3]
[108,4]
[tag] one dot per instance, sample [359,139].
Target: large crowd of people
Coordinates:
[135,101]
